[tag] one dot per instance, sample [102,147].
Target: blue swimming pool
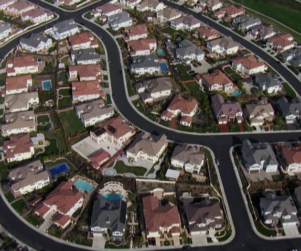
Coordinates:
[83,186]
[58,169]
[160,52]
[112,196]
[163,67]
[236,93]
[46,85]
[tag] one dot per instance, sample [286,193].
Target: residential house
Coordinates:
[188,51]
[185,23]
[188,157]
[64,201]
[211,5]
[259,156]
[249,65]
[142,47]
[21,102]
[130,3]
[83,40]
[168,14]
[279,209]
[217,81]
[5,3]
[226,111]
[281,42]
[67,2]
[246,22]
[94,112]
[268,82]
[85,72]
[22,65]
[150,5]
[159,219]
[19,7]
[135,32]
[230,12]
[64,29]
[181,107]
[85,56]
[114,130]
[18,148]
[291,157]
[142,65]
[107,9]
[35,43]
[293,57]
[260,112]
[261,32]
[290,110]
[28,178]
[203,216]
[5,30]
[120,20]
[18,84]
[86,90]
[154,89]
[109,217]
[224,45]
[37,15]
[207,33]
[99,157]
[147,147]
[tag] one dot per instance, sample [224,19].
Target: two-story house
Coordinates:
[37,15]
[22,65]
[130,3]
[281,42]
[19,7]
[246,22]
[217,81]
[188,51]
[249,65]
[224,45]
[86,90]
[150,5]
[135,32]
[291,157]
[120,20]
[107,9]
[289,109]
[83,40]
[85,56]
[211,5]
[207,33]
[5,3]
[99,157]
[64,29]
[142,65]
[268,82]
[84,72]
[21,102]
[5,30]
[142,47]
[229,12]
[35,43]
[167,15]
[261,32]
[185,23]
[17,84]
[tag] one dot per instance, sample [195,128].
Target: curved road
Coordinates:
[245,238]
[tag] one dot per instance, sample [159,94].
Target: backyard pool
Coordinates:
[236,93]
[160,52]
[83,186]
[58,169]
[46,85]
[163,67]
[112,196]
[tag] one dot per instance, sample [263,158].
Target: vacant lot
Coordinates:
[71,123]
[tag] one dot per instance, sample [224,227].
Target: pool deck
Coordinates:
[78,177]
[114,187]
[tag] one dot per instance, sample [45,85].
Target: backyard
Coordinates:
[52,147]
[43,119]
[50,164]
[172,32]
[65,102]
[72,125]
[289,90]
[121,168]
[182,71]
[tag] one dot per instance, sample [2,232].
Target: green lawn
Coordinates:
[34,220]
[88,15]
[264,231]
[112,246]
[65,102]
[3,171]
[277,177]
[44,128]
[129,84]
[289,90]
[19,205]
[72,125]
[55,231]
[65,92]
[114,33]
[1,111]
[2,78]
[9,197]
[235,77]
[194,88]
[225,237]
[170,31]
[52,147]
[182,70]
[43,118]
[229,70]
[48,67]
[246,127]
[233,127]
[120,167]
[61,161]
[108,99]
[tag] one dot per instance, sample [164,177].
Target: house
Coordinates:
[211,5]
[18,84]
[99,157]
[67,2]
[83,40]
[64,200]
[249,65]
[64,29]
[22,65]
[268,82]
[259,156]
[147,147]
[168,14]
[261,32]
[279,209]
[37,15]
[109,217]
[154,89]
[159,219]
[259,112]
[19,7]
[246,22]
[5,30]
[188,157]
[18,122]
[107,9]
[230,12]
[150,5]
[291,157]
[203,216]
[36,43]
[291,54]
[142,47]
[85,72]
[94,112]
[130,3]
[18,148]
[290,110]
[3,6]
[181,107]
[185,23]
[114,130]
[281,42]
[135,32]
[120,20]
[224,45]
[86,90]
[217,81]
[172,174]
[142,65]
[85,56]
[188,51]
[27,178]
[207,33]
[21,102]
[226,111]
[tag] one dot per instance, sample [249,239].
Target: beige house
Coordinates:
[217,81]
[21,102]
[22,65]
[17,84]
[168,14]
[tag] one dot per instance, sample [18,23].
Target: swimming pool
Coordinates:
[59,169]
[236,93]
[160,52]
[83,186]
[112,196]
[163,67]
[46,85]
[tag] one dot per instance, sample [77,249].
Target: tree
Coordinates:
[255,91]
[278,121]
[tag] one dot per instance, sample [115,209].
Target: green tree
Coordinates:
[278,121]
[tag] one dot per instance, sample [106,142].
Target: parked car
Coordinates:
[186,247]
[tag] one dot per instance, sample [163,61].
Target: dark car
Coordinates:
[186,247]
[113,95]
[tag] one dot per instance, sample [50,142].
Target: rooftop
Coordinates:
[17,144]
[184,105]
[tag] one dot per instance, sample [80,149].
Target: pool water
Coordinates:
[236,93]
[58,169]
[46,85]
[160,52]
[83,186]
[163,67]
[112,196]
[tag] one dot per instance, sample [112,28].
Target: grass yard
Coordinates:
[52,147]
[50,164]
[44,128]
[235,77]
[277,177]
[88,15]
[225,237]
[2,78]
[34,220]
[19,205]
[233,127]
[289,90]
[64,102]
[114,33]
[9,197]
[120,167]
[72,125]
[65,92]
[3,171]
[194,88]
[264,231]
[182,71]
[170,31]
[229,70]
[108,99]
[55,231]
[246,127]
[138,105]
[43,118]
[48,67]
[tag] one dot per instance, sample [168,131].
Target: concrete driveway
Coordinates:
[291,231]
[47,223]
[199,239]
[99,241]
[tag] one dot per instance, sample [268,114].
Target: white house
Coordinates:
[291,157]
[37,15]
[83,40]
[5,30]
[216,81]
[5,3]
[188,51]
[150,5]
[145,65]
[142,47]
[85,56]
[21,65]
[107,9]
[249,65]
[86,90]
[185,23]
[17,84]
[21,102]
[224,45]
[130,3]
[36,43]
[268,82]
[120,20]
[64,29]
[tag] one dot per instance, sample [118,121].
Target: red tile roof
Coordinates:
[250,62]
[18,82]
[98,157]
[86,70]
[291,154]
[81,38]
[42,209]
[107,8]
[134,30]
[282,40]
[61,219]
[17,144]
[184,105]
[187,119]
[23,61]
[232,10]
[34,13]
[167,114]
[216,77]
[206,31]
[142,44]
[82,88]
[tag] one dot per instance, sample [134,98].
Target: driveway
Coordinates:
[291,231]
[99,241]
[47,223]
[199,239]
